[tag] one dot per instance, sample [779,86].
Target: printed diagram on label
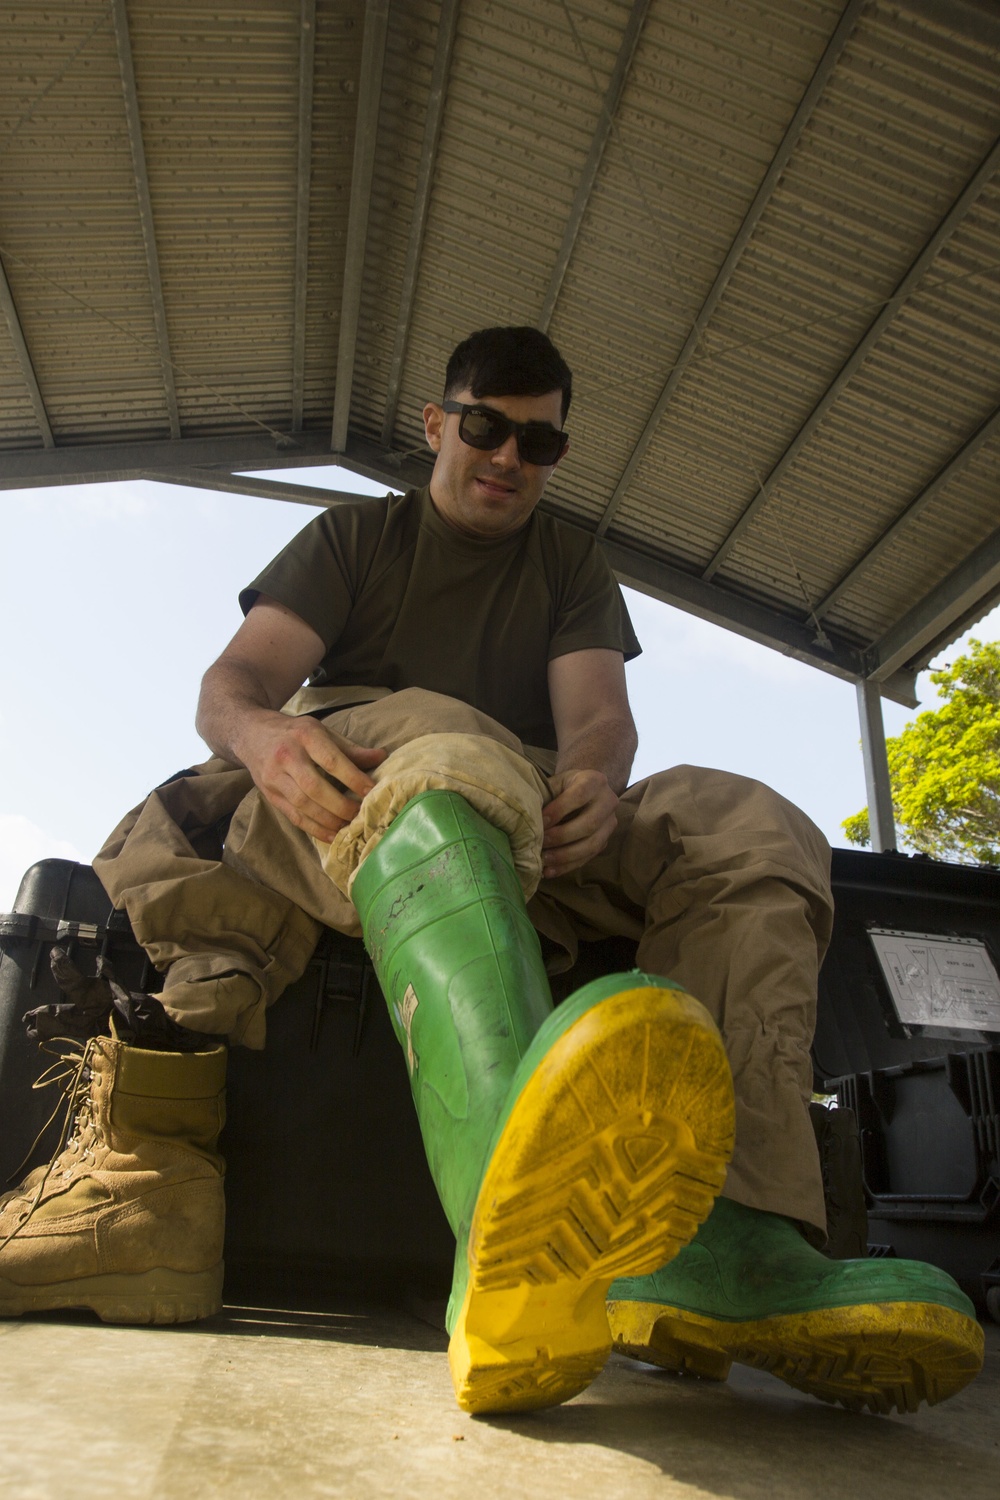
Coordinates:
[936,981]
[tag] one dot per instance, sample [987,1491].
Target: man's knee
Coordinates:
[494,778]
[705,815]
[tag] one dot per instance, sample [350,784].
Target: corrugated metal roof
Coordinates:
[768,232]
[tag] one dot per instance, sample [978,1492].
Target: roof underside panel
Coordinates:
[70,234]
[522,107]
[856,204]
[217,91]
[766,235]
[677,181]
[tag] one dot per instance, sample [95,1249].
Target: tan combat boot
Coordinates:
[128,1218]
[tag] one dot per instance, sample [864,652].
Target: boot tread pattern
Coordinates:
[629,1186]
[539,1380]
[921,1353]
[611,1158]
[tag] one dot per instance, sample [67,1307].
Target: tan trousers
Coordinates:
[722,883]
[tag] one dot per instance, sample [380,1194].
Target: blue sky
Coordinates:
[116,597]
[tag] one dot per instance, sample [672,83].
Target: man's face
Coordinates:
[488,494]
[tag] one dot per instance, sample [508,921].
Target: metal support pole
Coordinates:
[880,815]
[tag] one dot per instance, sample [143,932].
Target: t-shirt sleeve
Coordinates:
[590,610]
[318,574]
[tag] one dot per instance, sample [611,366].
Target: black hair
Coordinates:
[508,362]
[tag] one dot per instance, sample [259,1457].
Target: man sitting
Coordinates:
[633,1165]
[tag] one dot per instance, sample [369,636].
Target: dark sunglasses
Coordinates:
[482,427]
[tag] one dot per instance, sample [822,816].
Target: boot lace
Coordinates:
[72,1073]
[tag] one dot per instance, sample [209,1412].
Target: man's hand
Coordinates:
[578,821]
[596,738]
[292,761]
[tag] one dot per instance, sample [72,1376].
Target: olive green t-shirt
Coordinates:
[400,599]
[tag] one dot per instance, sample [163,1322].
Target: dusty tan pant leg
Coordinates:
[230,992]
[734,882]
[226,943]
[393,721]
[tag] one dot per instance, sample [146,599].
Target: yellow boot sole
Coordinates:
[878,1357]
[609,1161]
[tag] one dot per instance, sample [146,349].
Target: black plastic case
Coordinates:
[926,1094]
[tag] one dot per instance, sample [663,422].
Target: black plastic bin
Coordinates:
[910,1041]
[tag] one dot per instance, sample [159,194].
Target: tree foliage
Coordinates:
[945,767]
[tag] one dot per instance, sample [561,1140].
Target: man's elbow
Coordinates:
[629,746]
[205,707]
[623,728]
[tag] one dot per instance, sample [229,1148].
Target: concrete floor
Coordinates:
[263,1402]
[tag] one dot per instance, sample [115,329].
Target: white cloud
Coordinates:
[22,844]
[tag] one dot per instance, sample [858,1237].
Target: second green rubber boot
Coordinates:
[871,1334]
[568,1146]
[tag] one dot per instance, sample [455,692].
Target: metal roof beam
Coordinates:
[251,484]
[444,45]
[303,181]
[955,597]
[215,462]
[24,359]
[399,471]
[103,463]
[365,133]
[145,207]
[910,282]
[789,141]
[981,605]
[609,108]
[951,470]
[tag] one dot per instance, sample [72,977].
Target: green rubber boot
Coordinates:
[871,1334]
[568,1146]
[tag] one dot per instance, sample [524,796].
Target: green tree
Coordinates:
[945,767]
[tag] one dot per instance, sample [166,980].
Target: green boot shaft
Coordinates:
[460,966]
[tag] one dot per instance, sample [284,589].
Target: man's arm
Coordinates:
[290,759]
[597,741]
